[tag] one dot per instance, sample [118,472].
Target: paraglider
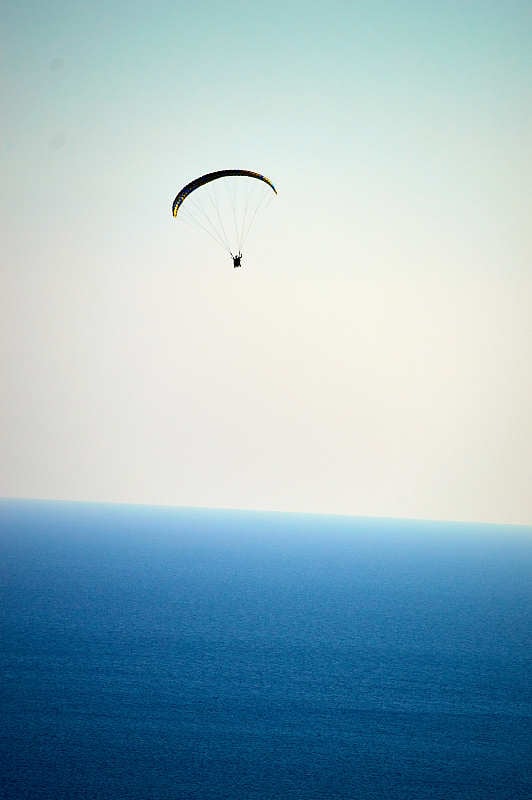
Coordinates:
[225,206]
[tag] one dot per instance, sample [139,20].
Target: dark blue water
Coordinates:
[164,654]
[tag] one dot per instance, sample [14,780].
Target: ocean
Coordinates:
[187,654]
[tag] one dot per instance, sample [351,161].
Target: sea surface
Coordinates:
[165,654]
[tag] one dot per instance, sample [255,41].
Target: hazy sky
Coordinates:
[374,357]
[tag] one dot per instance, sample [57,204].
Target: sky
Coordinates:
[374,355]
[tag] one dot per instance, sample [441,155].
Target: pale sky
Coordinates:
[373,356]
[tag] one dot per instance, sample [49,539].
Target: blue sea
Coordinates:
[185,654]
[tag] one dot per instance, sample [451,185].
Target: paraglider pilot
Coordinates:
[237,259]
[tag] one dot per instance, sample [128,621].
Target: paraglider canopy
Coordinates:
[212,176]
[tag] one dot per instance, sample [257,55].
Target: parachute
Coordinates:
[225,204]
